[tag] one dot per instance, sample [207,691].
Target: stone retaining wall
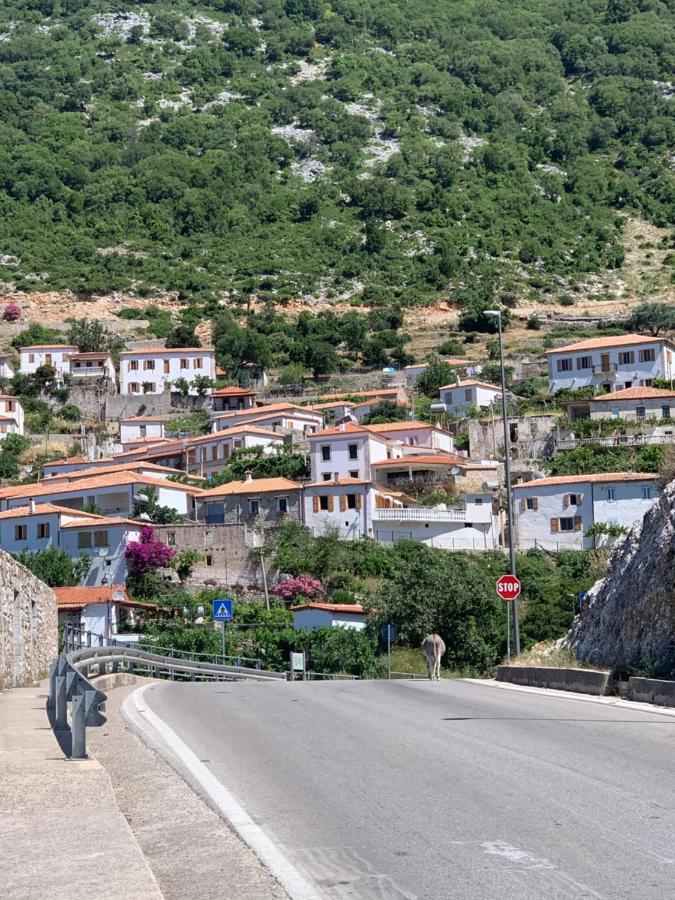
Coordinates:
[28,625]
[580,681]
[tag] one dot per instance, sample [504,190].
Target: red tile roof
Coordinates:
[600,478]
[48,347]
[354,609]
[150,351]
[255,486]
[79,597]
[109,479]
[472,382]
[634,393]
[421,459]
[621,340]
[234,392]
[341,481]
[346,429]
[402,426]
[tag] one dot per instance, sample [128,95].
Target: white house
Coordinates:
[345,505]
[112,493]
[11,410]
[416,434]
[466,395]
[613,363]
[136,428]
[55,355]
[155,370]
[39,526]
[273,415]
[346,451]
[105,610]
[555,513]
[88,366]
[310,616]
[634,404]
[470,525]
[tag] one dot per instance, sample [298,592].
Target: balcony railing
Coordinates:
[608,369]
[417,514]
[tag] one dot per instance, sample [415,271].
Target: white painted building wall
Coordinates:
[609,366]
[107,559]
[311,619]
[617,502]
[6,371]
[11,408]
[55,355]
[633,410]
[350,455]
[137,429]
[462,397]
[161,367]
[351,524]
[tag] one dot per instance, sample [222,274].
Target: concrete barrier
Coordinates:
[652,690]
[580,681]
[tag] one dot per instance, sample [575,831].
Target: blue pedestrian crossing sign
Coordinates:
[223,610]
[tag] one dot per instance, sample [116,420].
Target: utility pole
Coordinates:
[507,476]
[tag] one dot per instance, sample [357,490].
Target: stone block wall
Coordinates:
[28,625]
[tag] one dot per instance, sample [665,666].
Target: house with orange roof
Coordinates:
[55,355]
[413,435]
[35,526]
[466,395]
[345,505]
[275,416]
[156,369]
[84,367]
[635,404]
[106,610]
[262,502]
[611,363]
[556,513]
[110,493]
[465,368]
[346,451]
[233,399]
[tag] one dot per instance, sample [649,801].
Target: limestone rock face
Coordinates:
[28,625]
[628,618]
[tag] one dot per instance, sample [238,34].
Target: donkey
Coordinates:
[433,649]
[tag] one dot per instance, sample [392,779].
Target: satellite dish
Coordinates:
[141,498]
[455,470]
[118,596]
[144,517]
[103,551]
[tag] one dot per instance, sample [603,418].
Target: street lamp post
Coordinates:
[507,477]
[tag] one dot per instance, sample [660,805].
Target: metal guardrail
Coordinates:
[69,681]
[75,638]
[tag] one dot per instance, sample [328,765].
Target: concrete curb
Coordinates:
[579,681]
[113,680]
[652,690]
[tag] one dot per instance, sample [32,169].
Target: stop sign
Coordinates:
[508,587]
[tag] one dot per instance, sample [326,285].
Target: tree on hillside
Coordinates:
[90,336]
[54,566]
[652,317]
[386,411]
[437,374]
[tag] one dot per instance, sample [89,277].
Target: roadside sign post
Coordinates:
[389,635]
[508,588]
[223,611]
[298,665]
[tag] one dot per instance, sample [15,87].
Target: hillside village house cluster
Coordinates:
[363,478]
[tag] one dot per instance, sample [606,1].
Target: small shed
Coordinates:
[310,616]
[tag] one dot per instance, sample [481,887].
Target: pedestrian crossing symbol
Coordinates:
[223,610]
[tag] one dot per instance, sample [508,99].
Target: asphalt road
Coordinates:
[402,789]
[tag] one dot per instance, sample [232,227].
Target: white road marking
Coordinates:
[514,855]
[293,882]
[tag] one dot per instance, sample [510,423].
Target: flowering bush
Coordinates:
[148,552]
[12,312]
[302,586]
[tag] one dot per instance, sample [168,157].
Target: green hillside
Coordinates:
[411,147]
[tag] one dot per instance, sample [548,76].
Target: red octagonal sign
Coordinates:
[508,587]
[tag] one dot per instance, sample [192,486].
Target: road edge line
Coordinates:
[294,883]
[608,700]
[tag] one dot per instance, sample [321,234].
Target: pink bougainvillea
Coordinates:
[12,312]
[148,552]
[302,586]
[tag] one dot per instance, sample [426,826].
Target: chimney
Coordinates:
[248,475]
[31,503]
[336,477]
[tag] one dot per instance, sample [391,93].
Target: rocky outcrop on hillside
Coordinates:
[628,619]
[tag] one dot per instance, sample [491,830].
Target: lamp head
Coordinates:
[492,312]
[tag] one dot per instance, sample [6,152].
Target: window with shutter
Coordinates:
[331,503]
[577,523]
[359,498]
[315,504]
[343,502]
[554,526]
[523,504]
[566,501]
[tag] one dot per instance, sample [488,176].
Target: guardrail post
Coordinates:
[71,684]
[78,717]
[89,639]
[61,706]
